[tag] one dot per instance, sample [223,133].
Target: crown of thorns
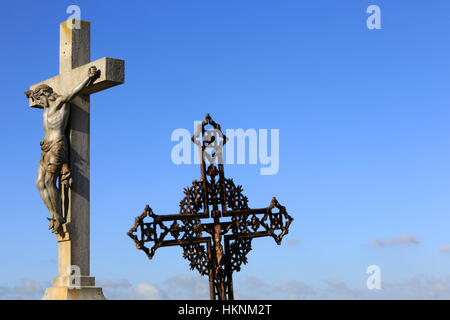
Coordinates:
[36,92]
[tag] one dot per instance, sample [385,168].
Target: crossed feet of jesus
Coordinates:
[56,224]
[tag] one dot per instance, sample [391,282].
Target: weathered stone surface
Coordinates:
[65,293]
[112,73]
[73,243]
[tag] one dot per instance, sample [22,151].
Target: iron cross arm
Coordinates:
[183,229]
[251,226]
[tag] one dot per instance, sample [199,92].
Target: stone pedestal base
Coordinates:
[86,290]
[65,293]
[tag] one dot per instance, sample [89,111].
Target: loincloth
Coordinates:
[54,157]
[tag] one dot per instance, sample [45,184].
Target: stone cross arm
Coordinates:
[112,73]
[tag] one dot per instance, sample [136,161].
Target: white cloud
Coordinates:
[337,289]
[27,289]
[293,242]
[3,291]
[294,290]
[147,291]
[255,283]
[255,288]
[424,287]
[445,249]
[187,287]
[403,239]
[122,283]
[179,287]
[142,291]
[419,287]
[195,287]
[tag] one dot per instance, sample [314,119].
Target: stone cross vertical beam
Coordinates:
[74,280]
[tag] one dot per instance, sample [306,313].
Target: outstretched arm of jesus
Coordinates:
[92,76]
[63,100]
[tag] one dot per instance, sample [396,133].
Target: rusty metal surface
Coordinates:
[219,246]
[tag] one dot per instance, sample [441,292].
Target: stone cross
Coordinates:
[74,280]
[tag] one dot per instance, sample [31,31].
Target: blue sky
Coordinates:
[364,140]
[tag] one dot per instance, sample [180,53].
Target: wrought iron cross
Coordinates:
[218,199]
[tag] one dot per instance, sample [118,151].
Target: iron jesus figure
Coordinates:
[53,163]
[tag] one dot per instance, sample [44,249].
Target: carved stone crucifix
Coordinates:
[66,154]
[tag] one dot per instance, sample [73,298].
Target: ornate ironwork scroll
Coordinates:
[219,247]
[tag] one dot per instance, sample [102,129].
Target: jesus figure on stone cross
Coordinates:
[54,157]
